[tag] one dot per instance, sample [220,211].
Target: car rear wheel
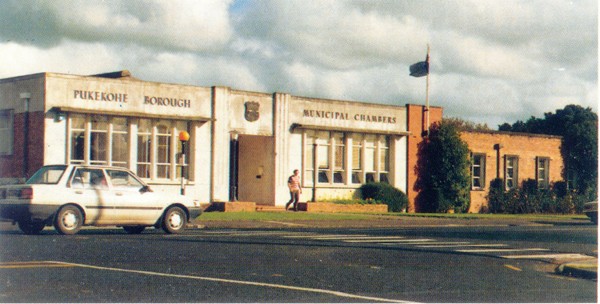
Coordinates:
[174,220]
[31,227]
[134,229]
[68,220]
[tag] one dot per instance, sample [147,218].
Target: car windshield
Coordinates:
[47,175]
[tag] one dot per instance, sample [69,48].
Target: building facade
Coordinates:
[513,157]
[243,145]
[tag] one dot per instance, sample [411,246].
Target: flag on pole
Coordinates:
[420,69]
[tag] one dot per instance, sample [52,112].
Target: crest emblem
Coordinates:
[251,114]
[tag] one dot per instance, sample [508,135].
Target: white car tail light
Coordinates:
[26,193]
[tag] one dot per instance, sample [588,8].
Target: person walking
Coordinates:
[295,190]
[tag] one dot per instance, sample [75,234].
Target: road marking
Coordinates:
[243,233]
[16,265]
[260,284]
[327,236]
[500,250]
[513,267]
[360,237]
[388,241]
[459,244]
[548,256]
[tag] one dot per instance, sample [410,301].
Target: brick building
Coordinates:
[513,157]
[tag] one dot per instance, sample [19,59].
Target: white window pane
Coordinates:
[370,159]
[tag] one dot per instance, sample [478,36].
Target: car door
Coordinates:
[89,188]
[134,204]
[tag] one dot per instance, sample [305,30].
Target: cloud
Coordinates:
[491,61]
[173,25]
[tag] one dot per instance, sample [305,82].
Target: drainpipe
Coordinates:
[497,147]
[315,171]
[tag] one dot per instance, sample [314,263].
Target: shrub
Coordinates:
[357,201]
[530,199]
[382,192]
[497,198]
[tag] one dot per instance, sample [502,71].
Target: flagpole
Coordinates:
[427,93]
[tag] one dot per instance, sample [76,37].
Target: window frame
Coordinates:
[514,178]
[353,170]
[8,131]
[482,167]
[146,139]
[545,179]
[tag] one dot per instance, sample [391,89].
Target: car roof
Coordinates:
[91,166]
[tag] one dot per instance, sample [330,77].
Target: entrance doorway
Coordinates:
[255,169]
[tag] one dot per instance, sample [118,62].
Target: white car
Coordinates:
[71,196]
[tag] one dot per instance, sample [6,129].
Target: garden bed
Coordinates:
[333,208]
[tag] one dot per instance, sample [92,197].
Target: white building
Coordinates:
[243,145]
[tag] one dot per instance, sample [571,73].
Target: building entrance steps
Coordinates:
[231,207]
[266,208]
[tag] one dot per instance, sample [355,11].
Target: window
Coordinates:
[123,180]
[478,171]
[144,144]
[542,170]
[368,159]
[384,160]
[78,126]
[323,164]
[96,139]
[339,157]
[357,144]
[309,158]
[89,179]
[511,172]
[99,138]
[163,159]
[119,148]
[6,132]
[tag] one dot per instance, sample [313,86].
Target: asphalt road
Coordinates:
[410,264]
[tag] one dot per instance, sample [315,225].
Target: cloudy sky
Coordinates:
[491,61]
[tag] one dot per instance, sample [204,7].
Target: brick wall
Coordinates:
[527,147]
[12,166]
[416,126]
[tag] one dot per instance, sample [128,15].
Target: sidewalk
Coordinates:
[587,269]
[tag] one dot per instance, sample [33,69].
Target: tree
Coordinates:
[465,125]
[444,170]
[578,127]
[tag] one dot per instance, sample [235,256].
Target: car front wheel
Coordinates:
[174,220]
[68,220]
[31,227]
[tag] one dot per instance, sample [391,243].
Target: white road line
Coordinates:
[548,256]
[247,233]
[326,236]
[360,237]
[270,285]
[500,250]
[459,244]
[388,241]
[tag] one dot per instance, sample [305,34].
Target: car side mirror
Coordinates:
[145,189]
